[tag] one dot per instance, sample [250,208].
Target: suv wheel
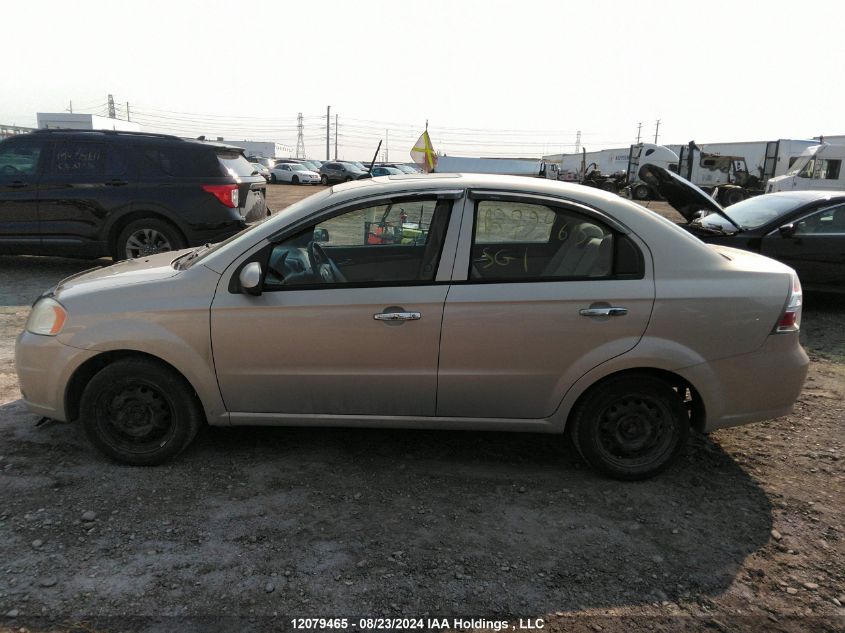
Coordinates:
[630,427]
[145,237]
[324,180]
[140,412]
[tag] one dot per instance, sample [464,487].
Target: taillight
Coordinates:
[227,194]
[790,320]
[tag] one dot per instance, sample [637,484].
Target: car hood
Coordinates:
[131,271]
[685,197]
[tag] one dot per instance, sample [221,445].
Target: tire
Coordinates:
[145,237]
[641,192]
[609,186]
[295,180]
[348,179]
[156,408]
[630,427]
[732,196]
[273,178]
[324,180]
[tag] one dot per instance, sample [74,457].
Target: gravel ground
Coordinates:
[251,527]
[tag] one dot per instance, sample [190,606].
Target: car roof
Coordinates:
[627,215]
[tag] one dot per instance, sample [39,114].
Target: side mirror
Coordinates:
[250,279]
[321,235]
[787,230]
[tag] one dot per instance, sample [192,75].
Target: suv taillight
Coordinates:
[227,194]
[790,319]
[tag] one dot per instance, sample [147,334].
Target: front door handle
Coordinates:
[609,311]
[397,316]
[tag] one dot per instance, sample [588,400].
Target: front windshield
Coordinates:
[754,212]
[280,219]
[803,167]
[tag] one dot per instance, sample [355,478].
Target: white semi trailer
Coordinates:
[534,168]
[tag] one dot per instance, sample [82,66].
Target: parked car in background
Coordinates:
[92,193]
[468,302]
[261,170]
[803,229]
[404,168]
[294,173]
[336,171]
[378,170]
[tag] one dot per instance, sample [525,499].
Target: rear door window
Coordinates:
[521,241]
[78,158]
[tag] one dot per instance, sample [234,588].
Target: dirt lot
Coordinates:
[251,527]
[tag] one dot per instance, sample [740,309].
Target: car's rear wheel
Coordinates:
[140,412]
[630,427]
[145,237]
[295,180]
[324,180]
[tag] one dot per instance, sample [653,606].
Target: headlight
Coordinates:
[47,317]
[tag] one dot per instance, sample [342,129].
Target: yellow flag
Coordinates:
[423,153]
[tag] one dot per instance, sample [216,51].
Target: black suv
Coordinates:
[340,171]
[92,193]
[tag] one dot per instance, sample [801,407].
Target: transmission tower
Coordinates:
[300,139]
[112,114]
[578,142]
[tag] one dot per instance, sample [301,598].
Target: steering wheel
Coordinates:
[322,265]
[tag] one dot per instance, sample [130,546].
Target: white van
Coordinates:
[819,167]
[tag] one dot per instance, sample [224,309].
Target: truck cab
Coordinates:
[817,168]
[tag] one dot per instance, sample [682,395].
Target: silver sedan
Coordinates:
[440,302]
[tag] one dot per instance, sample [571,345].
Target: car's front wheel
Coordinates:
[140,412]
[145,237]
[295,180]
[630,426]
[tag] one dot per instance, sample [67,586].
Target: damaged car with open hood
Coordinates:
[803,229]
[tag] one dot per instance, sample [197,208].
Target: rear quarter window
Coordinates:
[235,164]
[177,161]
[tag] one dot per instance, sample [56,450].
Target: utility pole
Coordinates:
[112,114]
[578,142]
[70,107]
[300,139]
[639,130]
[656,131]
[328,124]
[387,146]
[127,111]
[335,136]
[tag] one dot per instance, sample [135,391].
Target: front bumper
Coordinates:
[44,367]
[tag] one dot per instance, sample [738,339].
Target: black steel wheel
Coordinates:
[140,412]
[631,426]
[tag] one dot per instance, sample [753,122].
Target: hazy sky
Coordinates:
[492,78]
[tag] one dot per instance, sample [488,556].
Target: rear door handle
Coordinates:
[397,316]
[609,311]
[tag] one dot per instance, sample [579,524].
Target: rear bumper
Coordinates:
[44,367]
[751,387]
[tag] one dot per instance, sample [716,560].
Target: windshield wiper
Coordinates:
[189,257]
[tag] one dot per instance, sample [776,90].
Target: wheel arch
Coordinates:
[121,222]
[88,369]
[688,392]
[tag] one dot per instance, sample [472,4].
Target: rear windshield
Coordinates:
[235,164]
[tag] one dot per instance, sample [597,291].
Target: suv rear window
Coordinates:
[235,164]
